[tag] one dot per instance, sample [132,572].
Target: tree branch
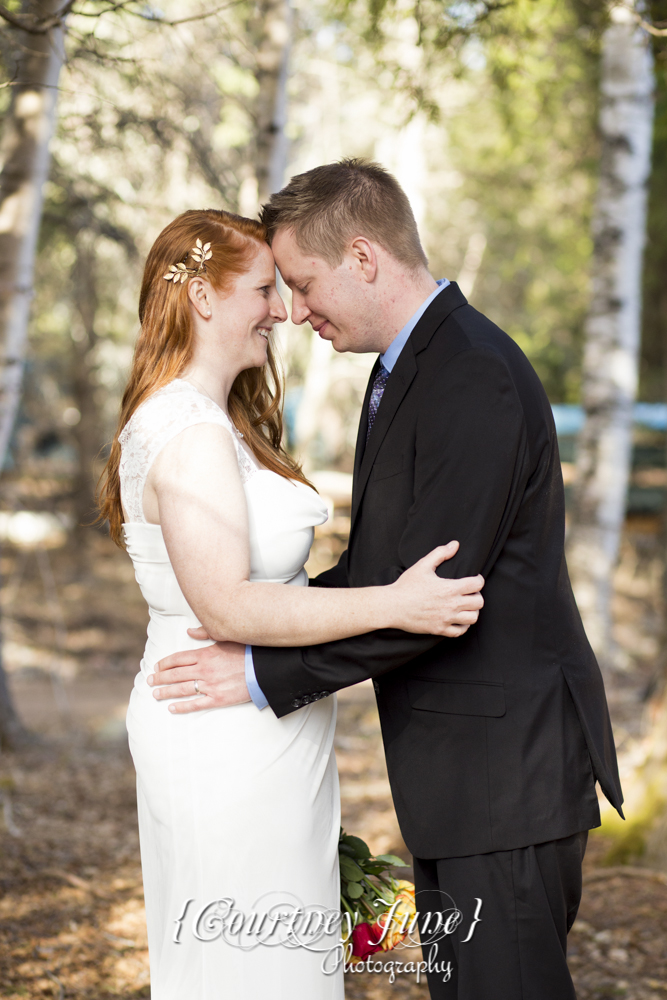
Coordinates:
[16,22]
[657,30]
[34,26]
[651,28]
[187,20]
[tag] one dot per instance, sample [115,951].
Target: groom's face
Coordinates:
[337,302]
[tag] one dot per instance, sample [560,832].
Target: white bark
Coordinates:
[613,327]
[24,153]
[273,52]
[472,262]
[315,389]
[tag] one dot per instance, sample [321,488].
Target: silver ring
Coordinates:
[197,691]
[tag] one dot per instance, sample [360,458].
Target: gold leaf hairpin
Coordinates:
[179,272]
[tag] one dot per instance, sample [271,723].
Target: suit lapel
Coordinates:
[397,385]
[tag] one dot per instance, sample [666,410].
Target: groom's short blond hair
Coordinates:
[329,206]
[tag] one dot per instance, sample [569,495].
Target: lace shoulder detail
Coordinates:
[160,418]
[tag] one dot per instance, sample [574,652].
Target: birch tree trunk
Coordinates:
[613,327]
[87,432]
[24,154]
[274,40]
[317,377]
[316,385]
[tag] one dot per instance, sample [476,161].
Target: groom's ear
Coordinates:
[363,252]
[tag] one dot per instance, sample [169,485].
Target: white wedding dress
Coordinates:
[238,810]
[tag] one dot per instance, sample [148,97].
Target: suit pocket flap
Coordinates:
[392,467]
[457,697]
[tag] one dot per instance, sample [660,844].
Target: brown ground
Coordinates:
[71,912]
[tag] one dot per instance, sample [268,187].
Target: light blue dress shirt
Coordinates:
[391,355]
[388,359]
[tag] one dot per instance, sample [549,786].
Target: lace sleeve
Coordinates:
[160,418]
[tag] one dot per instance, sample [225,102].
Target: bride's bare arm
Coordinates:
[195,493]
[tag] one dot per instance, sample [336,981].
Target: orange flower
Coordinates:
[397,918]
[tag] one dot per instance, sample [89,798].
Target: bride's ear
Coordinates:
[200,297]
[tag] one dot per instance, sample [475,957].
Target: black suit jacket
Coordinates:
[493,740]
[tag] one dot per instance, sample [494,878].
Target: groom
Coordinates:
[494,740]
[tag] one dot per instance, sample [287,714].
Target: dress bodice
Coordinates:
[282,514]
[160,418]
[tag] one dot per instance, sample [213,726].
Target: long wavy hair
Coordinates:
[165,346]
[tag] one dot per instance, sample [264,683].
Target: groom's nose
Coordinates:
[300,311]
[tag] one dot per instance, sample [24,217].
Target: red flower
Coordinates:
[364,942]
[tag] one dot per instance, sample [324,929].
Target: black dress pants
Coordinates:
[525,902]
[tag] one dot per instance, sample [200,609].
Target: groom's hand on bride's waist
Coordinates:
[215,673]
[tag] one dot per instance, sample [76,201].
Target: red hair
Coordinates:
[165,343]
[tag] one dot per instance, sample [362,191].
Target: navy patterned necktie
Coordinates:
[379,384]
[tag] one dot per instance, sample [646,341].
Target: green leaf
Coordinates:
[355,890]
[391,859]
[350,869]
[359,846]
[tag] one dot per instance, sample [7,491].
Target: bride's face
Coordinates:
[245,316]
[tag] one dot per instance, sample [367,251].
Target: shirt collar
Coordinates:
[390,356]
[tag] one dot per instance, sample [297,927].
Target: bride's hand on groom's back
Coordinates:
[428,604]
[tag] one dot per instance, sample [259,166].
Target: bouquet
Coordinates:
[380,907]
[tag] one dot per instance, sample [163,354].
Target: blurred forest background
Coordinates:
[116,116]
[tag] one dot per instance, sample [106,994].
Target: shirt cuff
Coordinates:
[254,690]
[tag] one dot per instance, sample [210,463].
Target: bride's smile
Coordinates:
[233,324]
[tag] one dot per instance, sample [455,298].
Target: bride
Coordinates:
[238,810]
